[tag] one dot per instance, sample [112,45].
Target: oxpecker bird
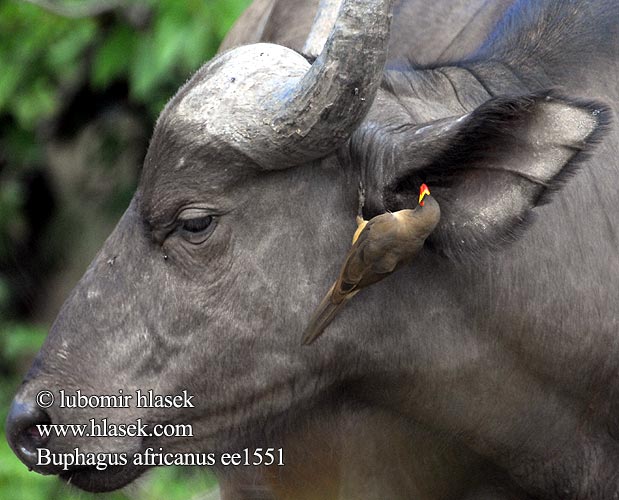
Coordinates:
[380,246]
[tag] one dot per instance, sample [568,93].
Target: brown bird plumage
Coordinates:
[380,246]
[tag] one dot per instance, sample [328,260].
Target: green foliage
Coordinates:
[42,53]
[39,53]
[11,222]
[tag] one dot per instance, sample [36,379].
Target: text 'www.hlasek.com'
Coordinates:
[96,430]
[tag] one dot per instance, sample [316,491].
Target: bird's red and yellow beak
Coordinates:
[423,192]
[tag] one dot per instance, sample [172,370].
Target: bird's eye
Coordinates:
[197,229]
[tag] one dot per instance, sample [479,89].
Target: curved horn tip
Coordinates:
[336,93]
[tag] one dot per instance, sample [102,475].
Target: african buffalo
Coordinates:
[487,369]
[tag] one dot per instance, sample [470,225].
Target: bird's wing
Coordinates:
[386,264]
[368,260]
[351,273]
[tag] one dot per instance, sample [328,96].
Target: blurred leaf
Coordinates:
[10,79]
[37,51]
[226,12]
[111,59]
[11,197]
[64,52]
[4,293]
[21,340]
[20,146]
[35,103]
[143,73]
[11,219]
[168,41]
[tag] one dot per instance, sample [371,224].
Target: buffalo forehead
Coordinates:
[179,170]
[235,98]
[178,150]
[204,137]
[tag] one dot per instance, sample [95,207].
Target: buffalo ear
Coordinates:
[488,169]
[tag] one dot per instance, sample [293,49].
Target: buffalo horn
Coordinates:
[334,96]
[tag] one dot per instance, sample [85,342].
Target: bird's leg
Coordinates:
[361,203]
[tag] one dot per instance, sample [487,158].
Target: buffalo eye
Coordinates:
[197,225]
[196,228]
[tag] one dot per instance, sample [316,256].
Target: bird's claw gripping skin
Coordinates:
[361,202]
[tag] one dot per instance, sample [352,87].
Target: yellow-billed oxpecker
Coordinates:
[380,246]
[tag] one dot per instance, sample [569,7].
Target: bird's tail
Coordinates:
[324,314]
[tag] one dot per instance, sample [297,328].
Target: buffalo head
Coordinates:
[246,203]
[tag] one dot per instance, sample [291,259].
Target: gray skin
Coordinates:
[487,369]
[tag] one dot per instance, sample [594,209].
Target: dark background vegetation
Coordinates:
[81,84]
